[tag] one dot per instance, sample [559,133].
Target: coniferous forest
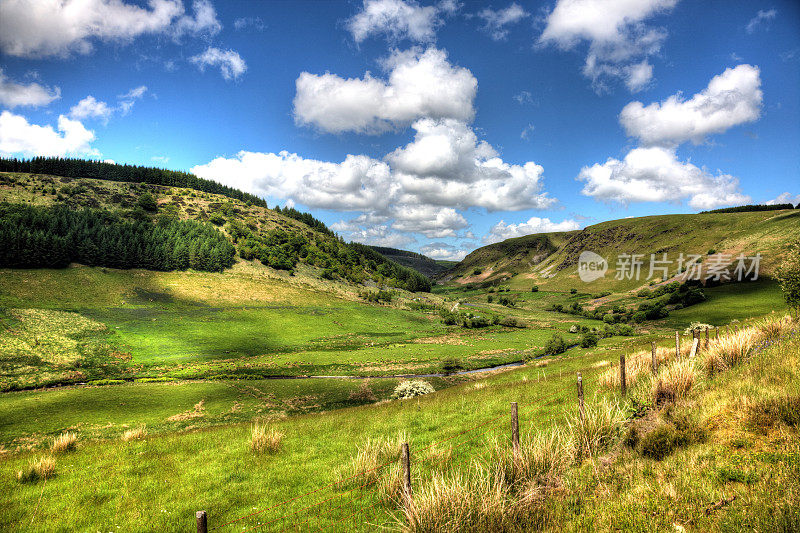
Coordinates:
[54,237]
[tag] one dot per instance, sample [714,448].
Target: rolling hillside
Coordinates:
[550,260]
[421,263]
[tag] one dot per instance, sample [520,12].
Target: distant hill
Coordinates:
[155,226]
[421,263]
[551,259]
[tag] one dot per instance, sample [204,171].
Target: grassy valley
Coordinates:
[264,390]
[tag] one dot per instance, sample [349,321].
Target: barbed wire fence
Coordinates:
[357,502]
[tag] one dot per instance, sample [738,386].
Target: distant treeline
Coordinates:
[747,208]
[82,168]
[54,237]
[400,253]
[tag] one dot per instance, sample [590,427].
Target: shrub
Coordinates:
[573,291]
[147,202]
[511,322]
[535,288]
[555,345]
[489,298]
[788,276]
[265,438]
[363,393]
[64,443]
[41,468]
[644,293]
[477,272]
[217,219]
[659,443]
[451,365]
[589,340]
[410,389]
[134,434]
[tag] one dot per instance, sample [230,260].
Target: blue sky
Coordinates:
[436,127]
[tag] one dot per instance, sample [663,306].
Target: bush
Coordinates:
[217,219]
[489,299]
[773,411]
[573,291]
[477,272]
[410,389]
[555,345]
[535,288]
[147,202]
[644,293]
[669,436]
[589,340]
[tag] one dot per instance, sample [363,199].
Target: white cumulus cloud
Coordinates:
[502,231]
[230,63]
[90,107]
[420,84]
[496,22]
[13,93]
[60,27]
[654,174]
[731,98]
[399,19]
[19,137]
[619,39]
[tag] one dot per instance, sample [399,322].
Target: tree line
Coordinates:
[83,168]
[748,208]
[54,237]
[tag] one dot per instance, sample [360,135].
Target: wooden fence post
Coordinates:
[654,358]
[622,382]
[202,523]
[514,428]
[406,460]
[580,398]
[677,345]
[727,330]
[695,344]
[717,332]
[706,344]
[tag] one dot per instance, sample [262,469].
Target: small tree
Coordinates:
[788,276]
[147,202]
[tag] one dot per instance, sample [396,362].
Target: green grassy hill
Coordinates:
[550,260]
[421,263]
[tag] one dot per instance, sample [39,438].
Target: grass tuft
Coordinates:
[41,468]
[265,438]
[64,443]
[595,434]
[673,382]
[134,434]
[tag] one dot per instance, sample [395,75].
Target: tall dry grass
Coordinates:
[64,443]
[459,502]
[539,461]
[134,434]
[364,466]
[41,468]
[265,438]
[639,365]
[594,435]
[673,381]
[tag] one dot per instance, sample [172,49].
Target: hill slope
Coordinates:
[279,239]
[421,263]
[551,259]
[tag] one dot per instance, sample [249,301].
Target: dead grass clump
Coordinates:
[364,466]
[64,443]
[595,434]
[41,468]
[363,393]
[198,411]
[730,350]
[673,382]
[538,464]
[636,366]
[134,434]
[459,503]
[265,438]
